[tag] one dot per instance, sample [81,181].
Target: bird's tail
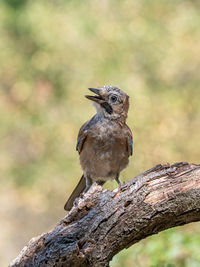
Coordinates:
[77,191]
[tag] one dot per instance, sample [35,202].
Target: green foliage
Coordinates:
[15,4]
[51,52]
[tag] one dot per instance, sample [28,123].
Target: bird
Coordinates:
[104,142]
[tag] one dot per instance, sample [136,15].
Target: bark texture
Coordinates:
[104,222]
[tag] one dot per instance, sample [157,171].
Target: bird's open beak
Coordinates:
[97,98]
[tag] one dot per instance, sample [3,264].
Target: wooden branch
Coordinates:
[102,223]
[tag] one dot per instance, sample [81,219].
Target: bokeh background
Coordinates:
[51,51]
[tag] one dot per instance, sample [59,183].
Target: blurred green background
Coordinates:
[50,53]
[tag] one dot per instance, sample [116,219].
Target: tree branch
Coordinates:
[102,223]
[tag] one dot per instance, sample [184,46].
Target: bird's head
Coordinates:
[110,102]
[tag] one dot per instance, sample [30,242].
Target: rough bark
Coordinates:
[103,222]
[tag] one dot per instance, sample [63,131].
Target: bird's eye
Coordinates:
[113,98]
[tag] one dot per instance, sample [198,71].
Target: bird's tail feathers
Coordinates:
[76,193]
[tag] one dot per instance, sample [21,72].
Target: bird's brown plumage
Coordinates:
[104,142]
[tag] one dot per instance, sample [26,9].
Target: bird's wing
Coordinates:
[82,136]
[129,140]
[83,133]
